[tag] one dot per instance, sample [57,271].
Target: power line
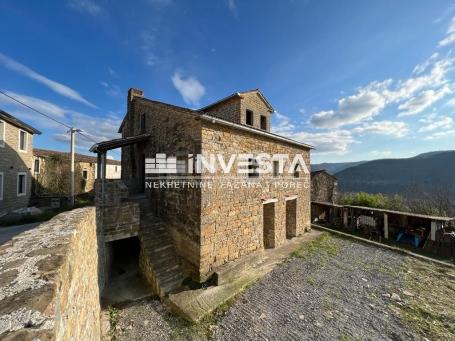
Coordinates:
[46,115]
[35,110]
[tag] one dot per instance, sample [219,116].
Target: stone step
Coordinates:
[161,265]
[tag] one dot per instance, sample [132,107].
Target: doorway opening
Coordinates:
[291,218]
[124,257]
[268,216]
[124,280]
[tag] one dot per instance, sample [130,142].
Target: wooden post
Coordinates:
[386,226]
[345,217]
[433,230]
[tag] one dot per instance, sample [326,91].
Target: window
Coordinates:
[263,122]
[253,167]
[1,185]
[276,168]
[2,133]
[21,184]
[116,169]
[249,118]
[85,174]
[142,124]
[36,166]
[22,140]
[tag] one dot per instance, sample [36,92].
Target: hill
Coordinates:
[389,176]
[334,167]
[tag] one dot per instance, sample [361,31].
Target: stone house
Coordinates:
[53,165]
[207,227]
[324,186]
[16,155]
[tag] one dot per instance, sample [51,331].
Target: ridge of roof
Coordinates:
[202,114]
[78,157]
[17,122]
[239,94]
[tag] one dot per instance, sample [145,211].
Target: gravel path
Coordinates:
[341,293]
[321,298]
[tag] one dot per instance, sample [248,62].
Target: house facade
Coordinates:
[16,162]
[211,226]
[324,187]
[51,172]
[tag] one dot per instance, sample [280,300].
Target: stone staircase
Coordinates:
[158,260]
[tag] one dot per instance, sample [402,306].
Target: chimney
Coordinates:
[132,93]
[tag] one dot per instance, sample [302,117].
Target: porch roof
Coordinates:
[409,214]
[104,146]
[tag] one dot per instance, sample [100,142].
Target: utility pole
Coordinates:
[73,142]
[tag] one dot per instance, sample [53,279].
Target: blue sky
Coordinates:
[357,79]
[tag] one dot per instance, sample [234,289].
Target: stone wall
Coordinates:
[324,187]
[234,109]
[13,161]
[49,281]
[252,101]
[175,131]
[229,110]
[232,217]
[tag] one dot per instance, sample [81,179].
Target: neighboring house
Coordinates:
[324,187]
[16,156]
[210,227]
[51,172]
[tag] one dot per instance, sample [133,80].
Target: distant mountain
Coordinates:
[335,167]
[391,176]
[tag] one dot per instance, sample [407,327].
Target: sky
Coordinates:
[358,80]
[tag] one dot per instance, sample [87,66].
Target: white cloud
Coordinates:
[53,85]
[149,42]
[86,6]
[111,89]
[381,153]
[440,135]
[390,128]
[190,88]
[370,100]
[361,106]
[98,128]
[433,122]
[37,103]
[450,36]
[232,6]
[283,125]
[423,100]
[112,72]
[331,142]
[302,111]
[422,67]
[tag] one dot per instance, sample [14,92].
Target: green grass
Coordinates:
[431,311]
[324,246]
[113,321]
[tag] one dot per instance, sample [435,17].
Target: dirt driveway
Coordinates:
[333,289]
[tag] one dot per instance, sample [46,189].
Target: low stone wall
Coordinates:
[49,281]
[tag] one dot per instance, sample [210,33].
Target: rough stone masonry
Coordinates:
[49,281]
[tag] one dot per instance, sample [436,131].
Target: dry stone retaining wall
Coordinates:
[49,281]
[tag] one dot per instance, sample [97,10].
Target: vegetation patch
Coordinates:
[428,294]
[324,246]
[113,321]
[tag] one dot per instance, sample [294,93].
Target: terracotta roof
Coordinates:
[78,157]
[17,122]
